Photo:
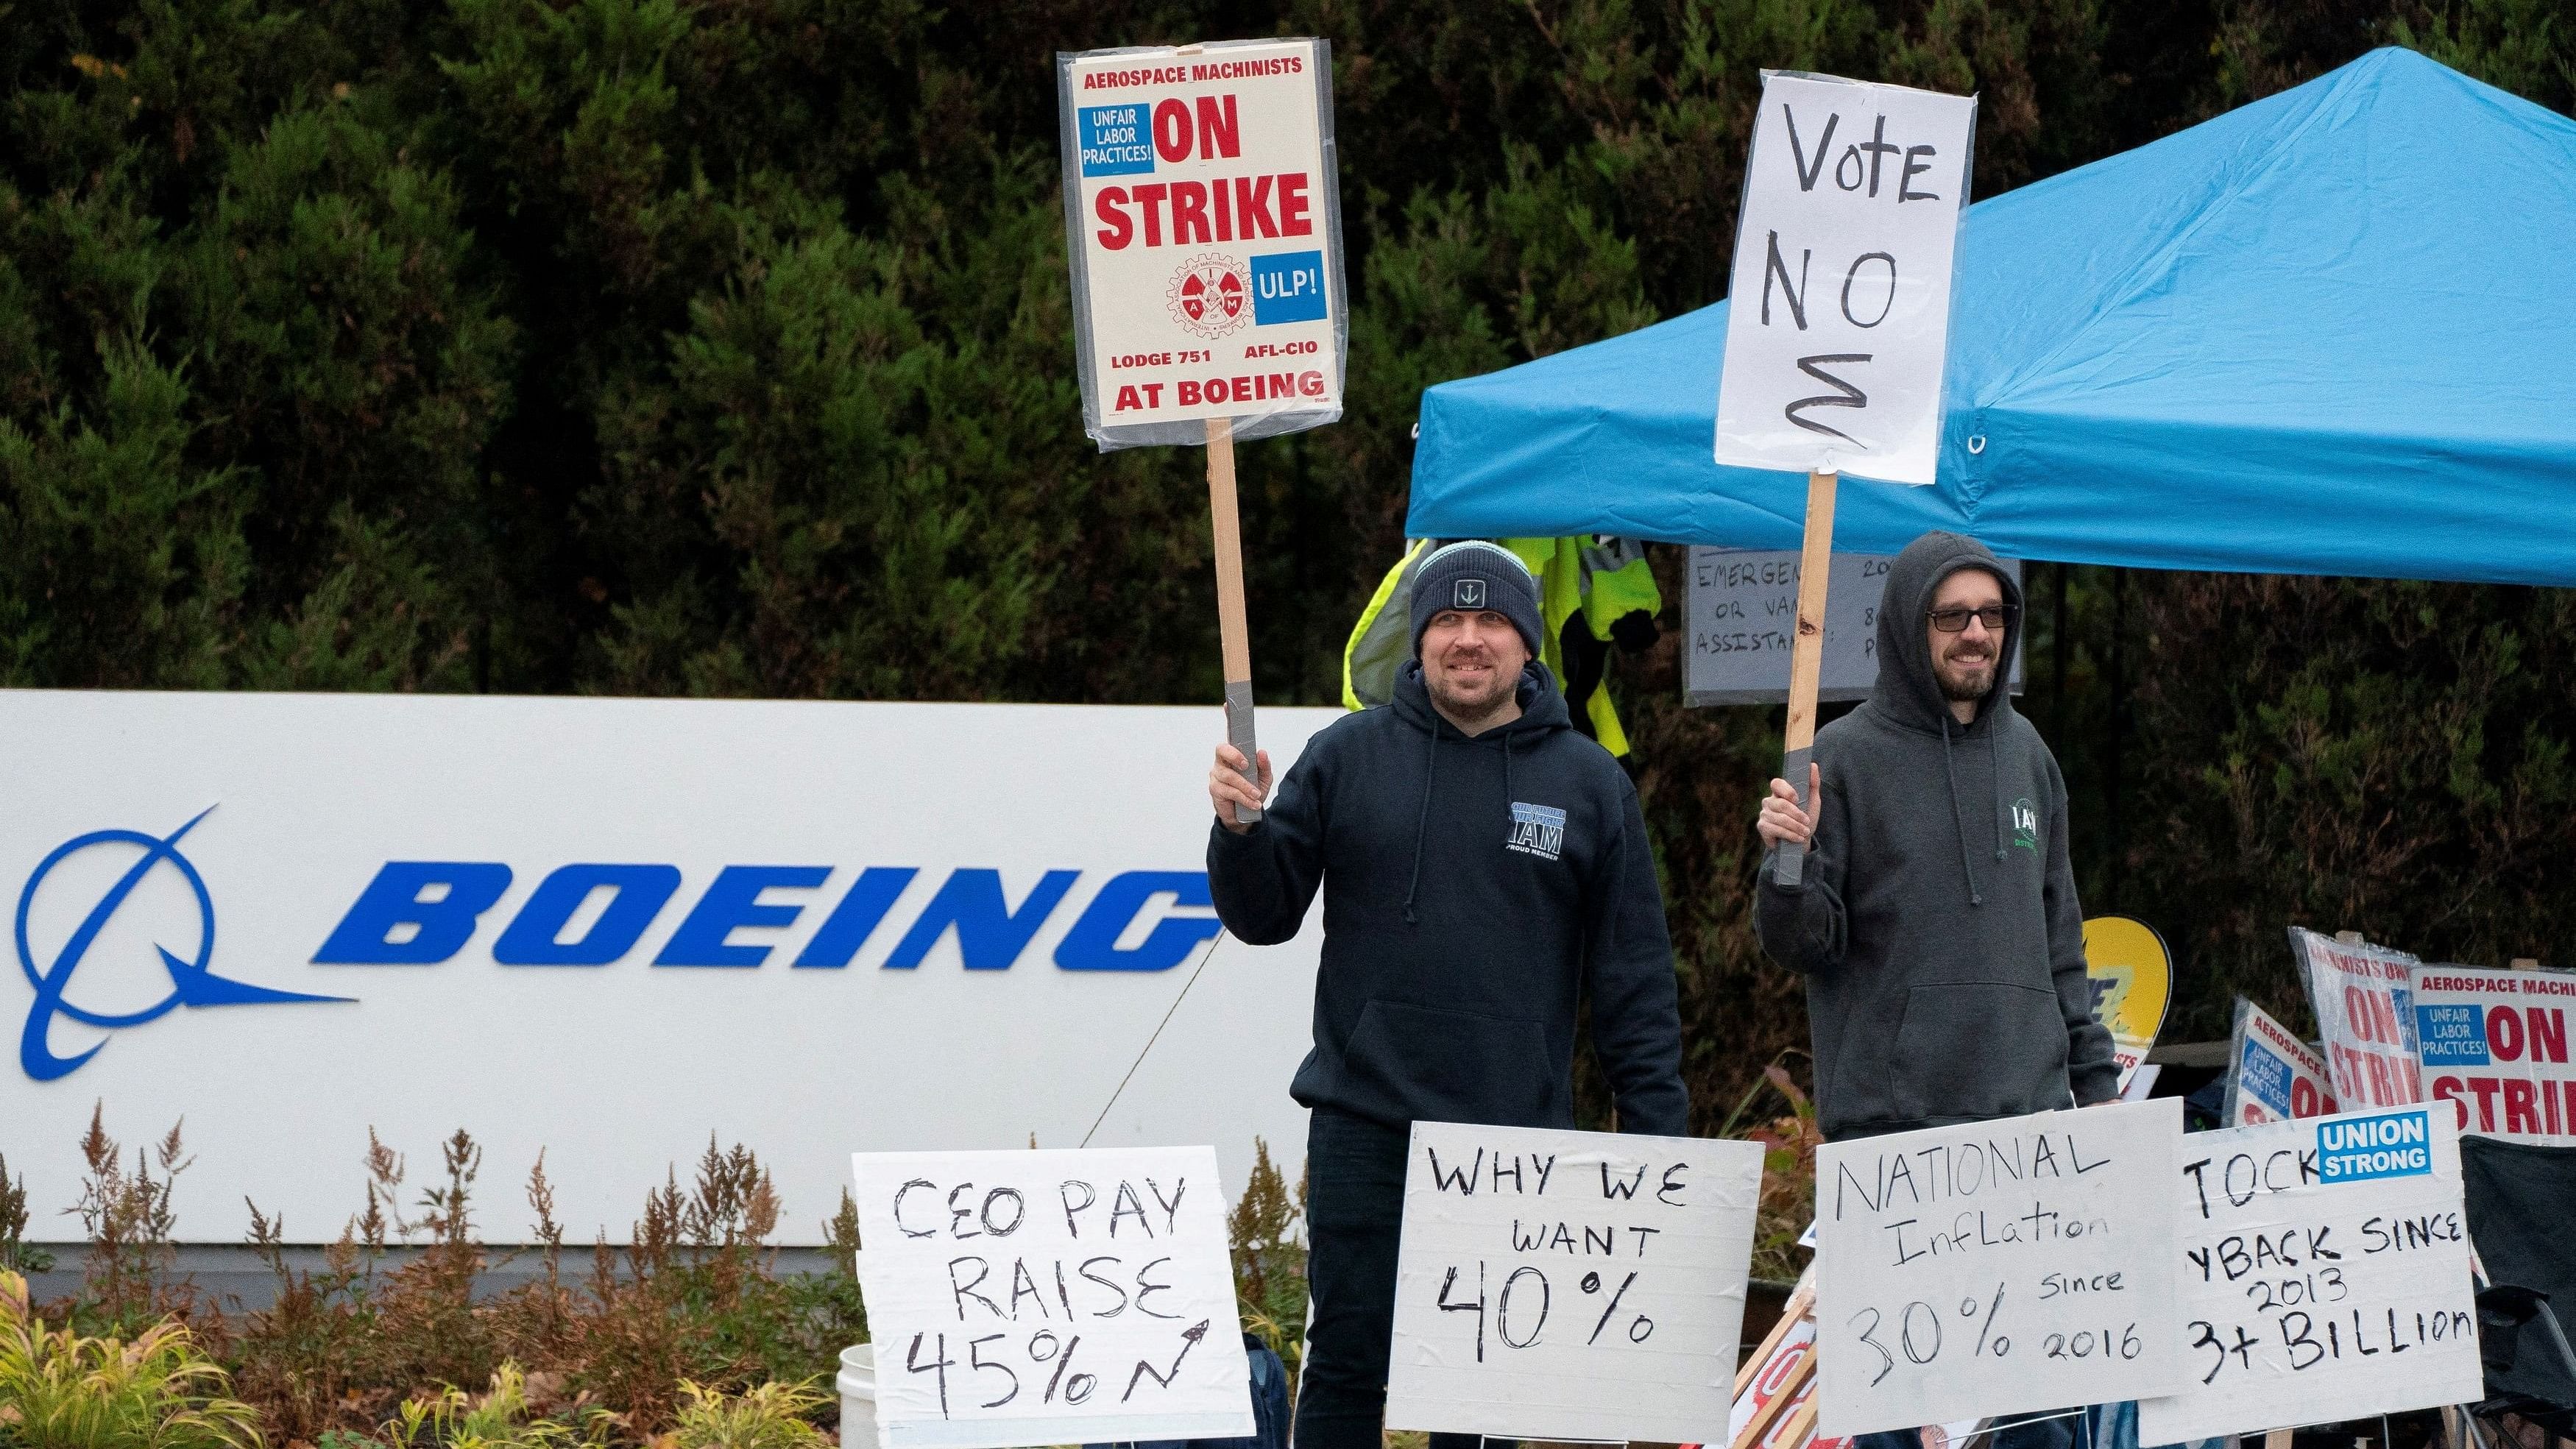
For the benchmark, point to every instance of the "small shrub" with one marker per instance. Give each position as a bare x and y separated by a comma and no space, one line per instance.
301,1358
60,1390
500,1419
1789,1143
428,1328
14,1252
1269,1261
127,1218
769,1416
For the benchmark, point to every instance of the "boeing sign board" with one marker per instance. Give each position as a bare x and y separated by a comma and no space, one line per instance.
605,929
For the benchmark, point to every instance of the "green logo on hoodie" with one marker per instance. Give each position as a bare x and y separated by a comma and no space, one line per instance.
2026,824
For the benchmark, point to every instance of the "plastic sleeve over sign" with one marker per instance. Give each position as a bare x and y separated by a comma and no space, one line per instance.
1204,237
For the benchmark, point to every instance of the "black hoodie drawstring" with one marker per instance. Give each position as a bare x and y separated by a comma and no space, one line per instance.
1422,824
1966,866
1507,775
1995,761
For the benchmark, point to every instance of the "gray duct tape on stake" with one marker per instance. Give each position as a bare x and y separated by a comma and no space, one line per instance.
1238,733
1790,869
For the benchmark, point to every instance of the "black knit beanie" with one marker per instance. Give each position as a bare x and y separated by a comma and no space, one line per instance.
1473,575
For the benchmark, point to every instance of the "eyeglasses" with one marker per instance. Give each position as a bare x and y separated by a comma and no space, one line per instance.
1993,616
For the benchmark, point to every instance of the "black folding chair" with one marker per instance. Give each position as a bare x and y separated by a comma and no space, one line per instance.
2521,1199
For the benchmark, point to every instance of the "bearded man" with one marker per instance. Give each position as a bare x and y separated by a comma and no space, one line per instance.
1484,867
1937,924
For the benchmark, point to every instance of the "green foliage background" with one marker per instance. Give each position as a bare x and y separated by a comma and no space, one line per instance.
720,347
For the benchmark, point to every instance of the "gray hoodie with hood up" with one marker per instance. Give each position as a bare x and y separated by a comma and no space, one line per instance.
1937,925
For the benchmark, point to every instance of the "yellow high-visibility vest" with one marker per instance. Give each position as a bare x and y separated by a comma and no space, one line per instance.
1604,579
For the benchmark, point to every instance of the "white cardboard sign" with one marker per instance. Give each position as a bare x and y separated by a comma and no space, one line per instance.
2323,1267
1050,1297
1840,314
1997,1267
1205,227
1570,1285
2364,997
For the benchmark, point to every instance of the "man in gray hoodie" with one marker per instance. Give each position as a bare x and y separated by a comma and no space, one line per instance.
1937,924
1936,993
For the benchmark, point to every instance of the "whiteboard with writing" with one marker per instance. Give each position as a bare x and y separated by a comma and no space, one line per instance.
2323,1267
1740,610
1050,1297
1840,318
1570,1285
1997,1267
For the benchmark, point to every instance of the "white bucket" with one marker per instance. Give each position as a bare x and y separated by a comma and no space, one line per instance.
858,1384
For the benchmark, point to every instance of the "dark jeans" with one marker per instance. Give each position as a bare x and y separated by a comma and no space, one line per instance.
1354,1215
2015,1432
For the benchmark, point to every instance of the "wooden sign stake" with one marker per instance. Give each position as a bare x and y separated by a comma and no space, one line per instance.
1801,1426
1807,659
1232,630
1802,1302
1757,1428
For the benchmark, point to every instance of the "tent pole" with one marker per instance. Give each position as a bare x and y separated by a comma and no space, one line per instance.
1807,659
2057,648
2119,721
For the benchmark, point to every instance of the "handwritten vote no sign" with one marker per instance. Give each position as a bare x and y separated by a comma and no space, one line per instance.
1840,302
1050,1297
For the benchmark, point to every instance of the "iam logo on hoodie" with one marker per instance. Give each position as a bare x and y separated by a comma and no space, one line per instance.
1537,830
2026,824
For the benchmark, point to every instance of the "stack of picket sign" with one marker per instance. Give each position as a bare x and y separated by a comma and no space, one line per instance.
2394,1031
1569,1285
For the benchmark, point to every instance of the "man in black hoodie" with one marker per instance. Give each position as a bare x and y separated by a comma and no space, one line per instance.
1937,924
1483,866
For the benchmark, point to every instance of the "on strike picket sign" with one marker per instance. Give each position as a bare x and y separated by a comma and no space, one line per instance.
2364,997
2324,1274
1050,1297
1841,294
1570,1285
2495,1043
1997,1267
1205,227
2272,1076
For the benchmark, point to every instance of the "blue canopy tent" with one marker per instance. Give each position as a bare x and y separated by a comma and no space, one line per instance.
2331,332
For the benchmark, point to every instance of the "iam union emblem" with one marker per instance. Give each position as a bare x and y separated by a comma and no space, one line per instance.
1211,295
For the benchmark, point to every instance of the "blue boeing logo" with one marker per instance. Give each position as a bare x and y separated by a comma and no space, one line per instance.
592,914
192,982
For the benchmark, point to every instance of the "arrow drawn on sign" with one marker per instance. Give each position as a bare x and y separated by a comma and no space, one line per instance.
1190,1338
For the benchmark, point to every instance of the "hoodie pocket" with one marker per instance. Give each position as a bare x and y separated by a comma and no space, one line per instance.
1971,1049
1431,1065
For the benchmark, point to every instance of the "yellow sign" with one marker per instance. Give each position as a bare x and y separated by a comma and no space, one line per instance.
2132,977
